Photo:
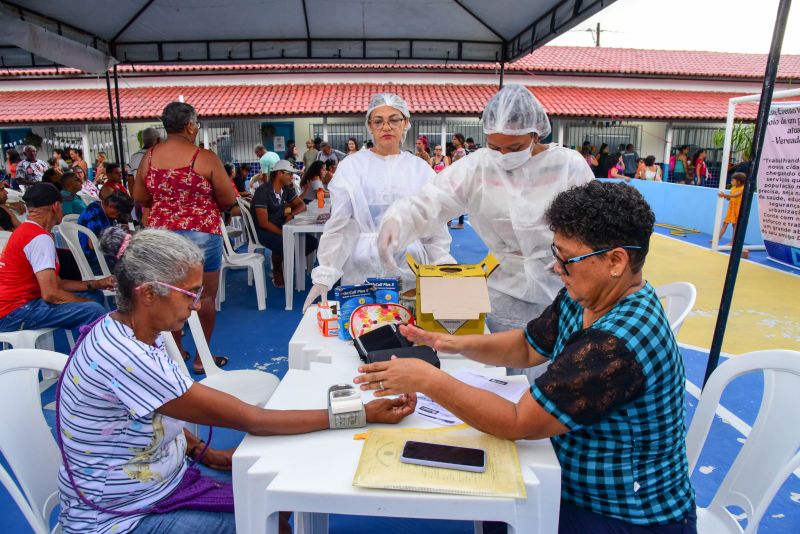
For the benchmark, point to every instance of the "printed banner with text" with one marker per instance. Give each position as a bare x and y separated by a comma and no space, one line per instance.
779,184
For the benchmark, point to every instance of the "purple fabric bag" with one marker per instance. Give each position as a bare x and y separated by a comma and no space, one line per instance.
194,492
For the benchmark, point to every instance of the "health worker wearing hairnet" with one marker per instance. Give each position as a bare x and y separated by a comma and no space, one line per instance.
505,189
366,184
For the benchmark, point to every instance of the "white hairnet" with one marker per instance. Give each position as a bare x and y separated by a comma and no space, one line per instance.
393,101
515,111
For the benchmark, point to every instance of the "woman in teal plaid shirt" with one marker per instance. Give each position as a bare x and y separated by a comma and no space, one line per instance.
612,399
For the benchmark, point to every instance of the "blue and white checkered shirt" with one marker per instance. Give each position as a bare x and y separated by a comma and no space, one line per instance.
619,388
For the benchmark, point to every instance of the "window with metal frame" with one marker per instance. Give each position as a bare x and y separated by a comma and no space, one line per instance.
613,133
340,132
702,137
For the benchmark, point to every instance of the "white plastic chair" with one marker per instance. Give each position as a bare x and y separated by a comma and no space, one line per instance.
70,217
87,198
234,260
39,338
26,441
70,232
30,339
249,385
678,300
253,245
236,232
57,238
770,454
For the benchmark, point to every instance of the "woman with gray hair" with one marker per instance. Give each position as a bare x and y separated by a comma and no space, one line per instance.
186,188
366,184
122,404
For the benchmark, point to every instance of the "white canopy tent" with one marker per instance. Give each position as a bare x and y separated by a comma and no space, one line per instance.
168,31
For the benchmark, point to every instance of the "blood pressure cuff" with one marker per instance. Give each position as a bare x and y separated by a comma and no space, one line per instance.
421,352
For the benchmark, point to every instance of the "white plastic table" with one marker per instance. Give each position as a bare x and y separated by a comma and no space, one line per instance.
311,475
308,345
294,253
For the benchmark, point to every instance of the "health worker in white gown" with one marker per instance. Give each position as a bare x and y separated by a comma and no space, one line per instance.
504,189
365,185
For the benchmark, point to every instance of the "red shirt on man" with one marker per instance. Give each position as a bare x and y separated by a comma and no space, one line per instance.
29,250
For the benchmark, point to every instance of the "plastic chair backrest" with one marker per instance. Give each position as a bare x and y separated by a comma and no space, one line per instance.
173,352
200,343
770,453
4,237
679,299
249,224
70,231
26,442
87,198
71,217
227,247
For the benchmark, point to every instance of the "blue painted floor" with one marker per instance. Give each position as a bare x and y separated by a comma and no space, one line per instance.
259,340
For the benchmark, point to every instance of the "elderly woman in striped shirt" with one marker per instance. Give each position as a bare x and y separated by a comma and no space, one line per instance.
122,404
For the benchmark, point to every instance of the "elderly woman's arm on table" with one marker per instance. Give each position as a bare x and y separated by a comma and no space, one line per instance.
206,406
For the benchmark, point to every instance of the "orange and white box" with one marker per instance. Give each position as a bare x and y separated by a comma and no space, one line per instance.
328,318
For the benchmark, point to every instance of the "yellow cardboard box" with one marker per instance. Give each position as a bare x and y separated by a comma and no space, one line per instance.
453,299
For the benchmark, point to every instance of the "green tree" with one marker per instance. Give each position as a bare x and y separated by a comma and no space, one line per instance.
741,138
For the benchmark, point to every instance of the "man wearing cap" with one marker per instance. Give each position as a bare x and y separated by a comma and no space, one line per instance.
32,295
273,205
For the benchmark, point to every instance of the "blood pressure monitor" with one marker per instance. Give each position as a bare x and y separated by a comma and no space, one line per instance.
345,408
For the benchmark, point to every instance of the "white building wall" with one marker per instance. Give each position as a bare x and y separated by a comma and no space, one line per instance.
654,135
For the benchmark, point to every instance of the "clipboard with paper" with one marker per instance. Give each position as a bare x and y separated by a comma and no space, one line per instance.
380,466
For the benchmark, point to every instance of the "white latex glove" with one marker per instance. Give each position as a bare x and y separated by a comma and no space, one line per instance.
388,239
317,290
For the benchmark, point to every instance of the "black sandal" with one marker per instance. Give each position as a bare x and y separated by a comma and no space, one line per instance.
221,361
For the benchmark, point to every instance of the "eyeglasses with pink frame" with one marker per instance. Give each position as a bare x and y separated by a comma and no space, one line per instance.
195,296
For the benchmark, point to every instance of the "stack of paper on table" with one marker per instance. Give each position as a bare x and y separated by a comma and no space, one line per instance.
510,390
380,465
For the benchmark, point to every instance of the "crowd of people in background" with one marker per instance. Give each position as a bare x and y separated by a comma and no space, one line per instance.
100,194
686,166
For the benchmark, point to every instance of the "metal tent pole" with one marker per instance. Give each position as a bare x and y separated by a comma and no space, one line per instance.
111,115
502,73
121,155
749,187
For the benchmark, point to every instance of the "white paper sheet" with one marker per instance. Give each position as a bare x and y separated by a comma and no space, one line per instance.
432,411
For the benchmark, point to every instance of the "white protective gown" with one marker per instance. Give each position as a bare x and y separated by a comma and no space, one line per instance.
506,209
363,188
